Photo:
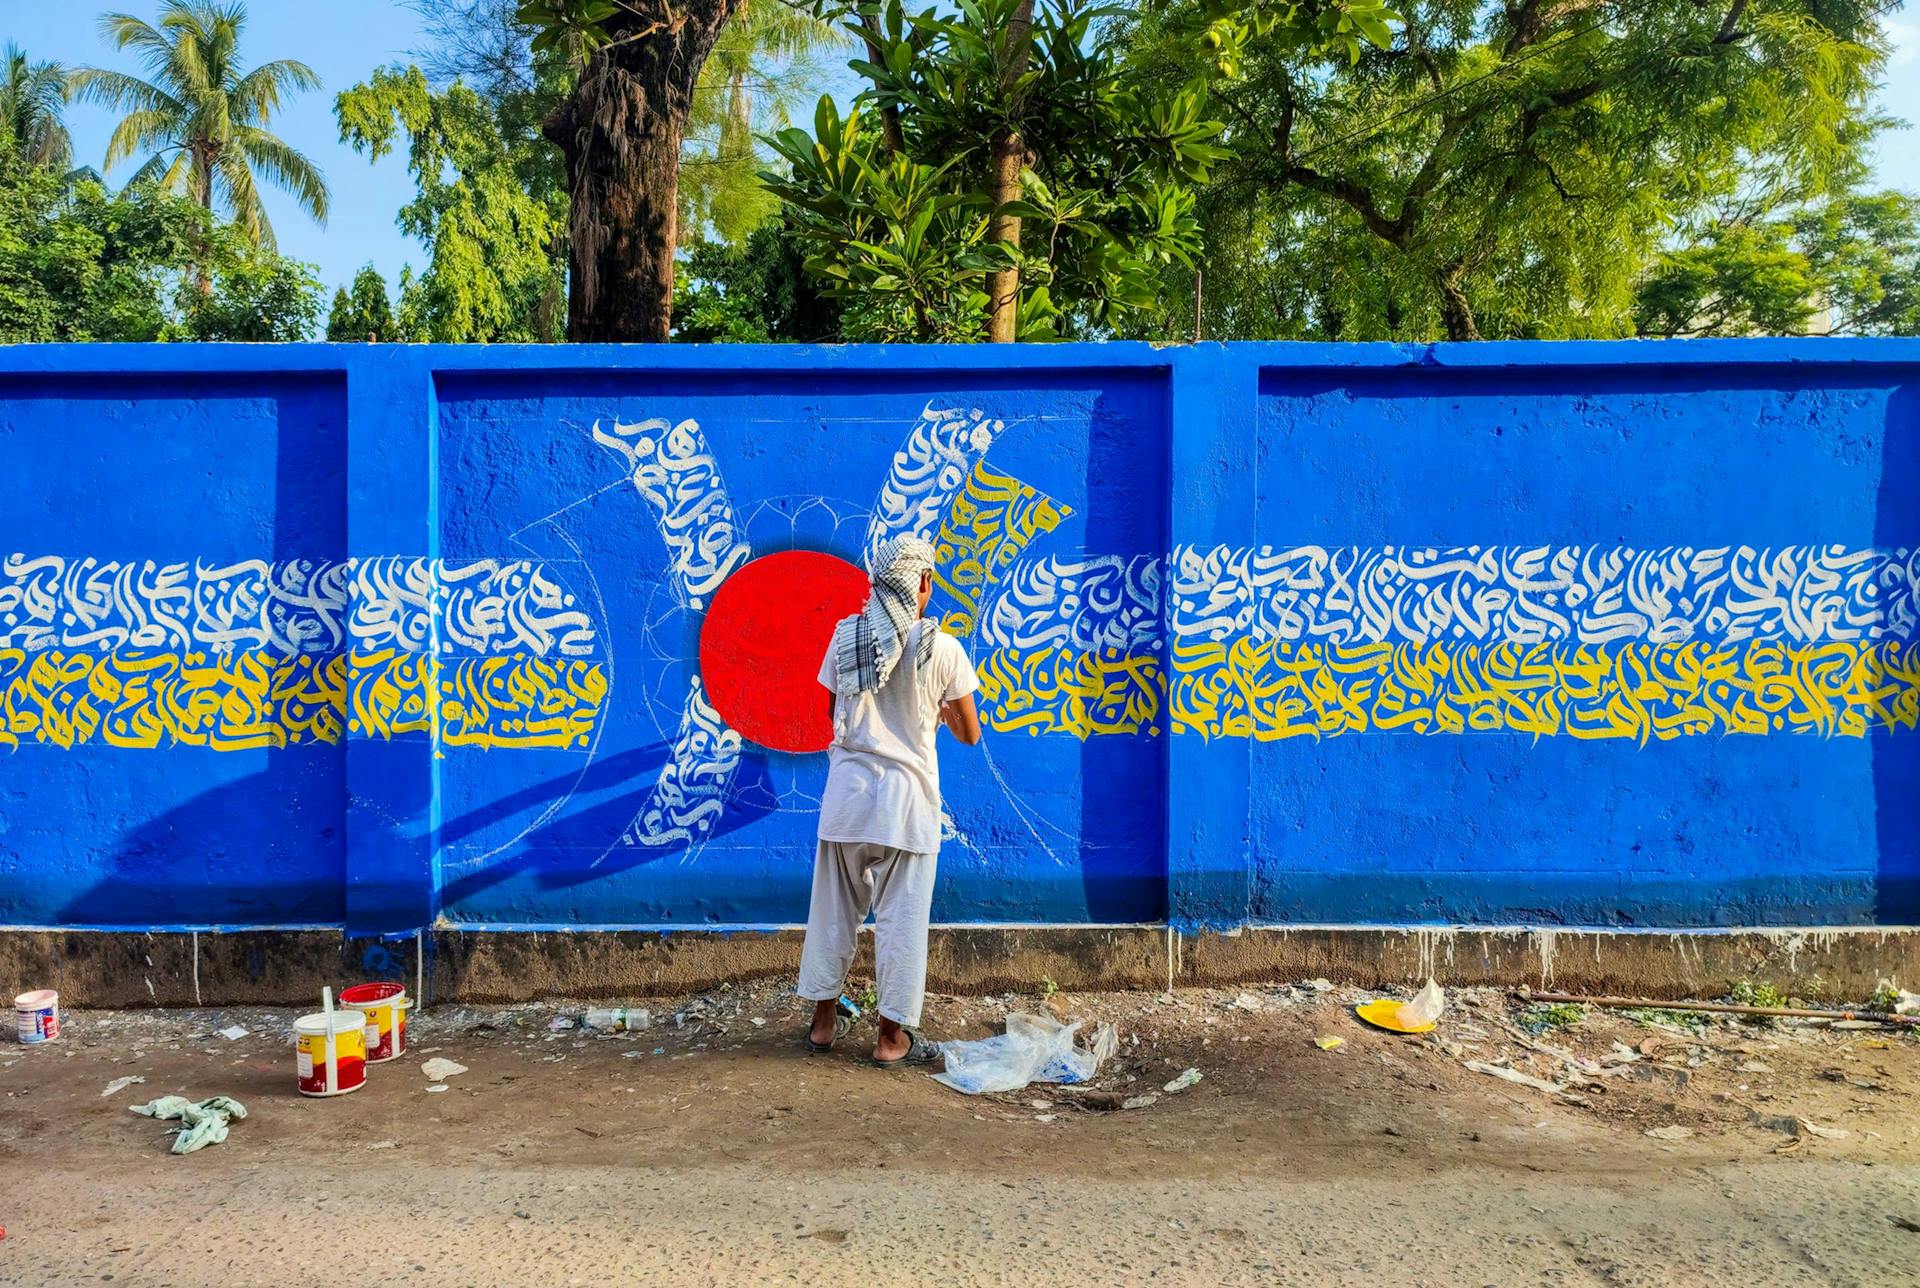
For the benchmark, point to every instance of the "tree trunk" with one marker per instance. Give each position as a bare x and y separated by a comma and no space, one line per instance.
890,114
201,177
1009,153
1003,285
620,132
1455,311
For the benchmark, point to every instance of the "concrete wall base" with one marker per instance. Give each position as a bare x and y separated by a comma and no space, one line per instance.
289,967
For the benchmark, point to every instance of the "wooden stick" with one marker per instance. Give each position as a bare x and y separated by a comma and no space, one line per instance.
1731,1008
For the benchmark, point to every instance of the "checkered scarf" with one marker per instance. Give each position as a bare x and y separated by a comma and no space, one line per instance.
867,646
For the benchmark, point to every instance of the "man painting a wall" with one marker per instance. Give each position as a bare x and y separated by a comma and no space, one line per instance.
892,678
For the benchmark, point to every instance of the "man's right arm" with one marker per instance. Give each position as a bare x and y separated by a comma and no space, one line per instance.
961,719
958,712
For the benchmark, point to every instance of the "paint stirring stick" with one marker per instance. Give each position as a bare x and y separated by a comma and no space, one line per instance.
333,1056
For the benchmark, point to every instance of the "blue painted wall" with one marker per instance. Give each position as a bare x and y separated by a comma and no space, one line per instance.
1580,634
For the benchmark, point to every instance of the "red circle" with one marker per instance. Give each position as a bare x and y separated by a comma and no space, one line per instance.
765,635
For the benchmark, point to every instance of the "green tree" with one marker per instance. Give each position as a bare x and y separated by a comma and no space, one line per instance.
1741,279
620,130
1506,170
366,313
202,119
764,60
918,215
33,100
484,45
758,293
760,68
80,263
1845,265
1865,251
488,206
257,296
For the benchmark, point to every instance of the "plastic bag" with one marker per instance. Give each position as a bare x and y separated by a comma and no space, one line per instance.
1033,1049
1425,1007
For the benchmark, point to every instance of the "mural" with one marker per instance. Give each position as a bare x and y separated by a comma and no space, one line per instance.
1592,643
1607,643
139,654
543,653
937,485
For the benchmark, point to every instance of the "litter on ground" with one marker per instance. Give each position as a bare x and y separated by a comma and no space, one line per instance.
1421,1015
440,1068
202,1122
1184,1081
1514,1076
120,1084
1034,1048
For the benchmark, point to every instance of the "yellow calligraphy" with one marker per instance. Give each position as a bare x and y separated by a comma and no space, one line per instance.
1641,693
1051,690
989,524
250,699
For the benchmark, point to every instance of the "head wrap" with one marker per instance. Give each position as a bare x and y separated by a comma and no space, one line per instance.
867,647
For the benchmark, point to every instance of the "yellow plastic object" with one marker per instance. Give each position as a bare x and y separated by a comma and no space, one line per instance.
1385,1014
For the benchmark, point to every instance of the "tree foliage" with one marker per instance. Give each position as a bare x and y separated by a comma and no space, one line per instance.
759,293
1844,265
33,100
1506,170
80,263
480,58
364,313
766,61
488,205
896,198
763,62
202,120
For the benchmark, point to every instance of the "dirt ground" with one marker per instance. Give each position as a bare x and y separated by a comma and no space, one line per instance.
711,1148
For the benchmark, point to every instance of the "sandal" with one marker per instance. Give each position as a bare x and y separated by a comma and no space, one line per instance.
845,1013
841,1023
919,1051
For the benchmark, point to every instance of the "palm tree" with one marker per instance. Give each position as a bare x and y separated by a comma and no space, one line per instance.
205,120
768,47
33,98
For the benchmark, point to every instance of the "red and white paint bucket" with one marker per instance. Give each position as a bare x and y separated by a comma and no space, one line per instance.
384,1008
331,1050
36,1016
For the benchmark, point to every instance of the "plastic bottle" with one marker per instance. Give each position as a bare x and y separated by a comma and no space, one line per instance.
618,1019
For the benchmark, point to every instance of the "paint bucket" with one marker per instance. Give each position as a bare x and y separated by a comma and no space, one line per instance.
36,1016
384,1008
332,1051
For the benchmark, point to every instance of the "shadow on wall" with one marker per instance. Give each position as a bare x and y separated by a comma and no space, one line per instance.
267,848
1896,756
1123,777
578,848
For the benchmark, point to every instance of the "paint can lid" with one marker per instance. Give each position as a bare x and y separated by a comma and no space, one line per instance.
343,1022
38,1000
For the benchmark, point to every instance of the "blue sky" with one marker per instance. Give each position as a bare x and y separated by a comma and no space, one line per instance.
343,40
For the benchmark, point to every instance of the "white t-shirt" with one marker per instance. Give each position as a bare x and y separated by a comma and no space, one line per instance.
883,778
